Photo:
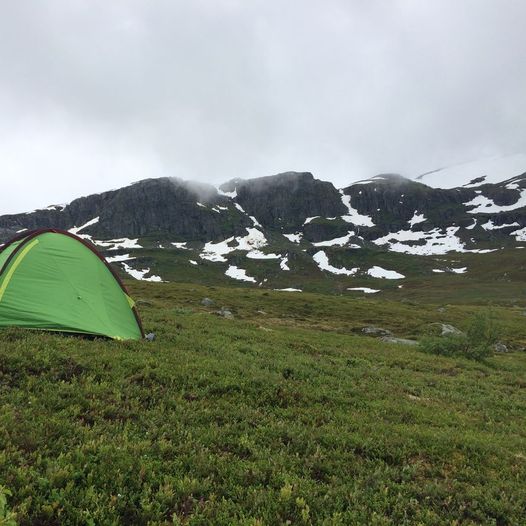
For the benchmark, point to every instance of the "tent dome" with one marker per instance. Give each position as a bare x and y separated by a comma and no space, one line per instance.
53,280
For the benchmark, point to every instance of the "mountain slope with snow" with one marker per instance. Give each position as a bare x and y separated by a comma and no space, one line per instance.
291,230
474,173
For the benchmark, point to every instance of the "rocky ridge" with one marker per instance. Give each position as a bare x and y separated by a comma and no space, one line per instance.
292,218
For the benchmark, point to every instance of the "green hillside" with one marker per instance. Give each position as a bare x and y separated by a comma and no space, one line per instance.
285,414
492,278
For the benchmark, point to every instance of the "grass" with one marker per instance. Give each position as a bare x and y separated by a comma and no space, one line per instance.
495,278
285,415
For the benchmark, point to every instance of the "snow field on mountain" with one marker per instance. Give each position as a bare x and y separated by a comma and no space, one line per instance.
492,170
485,205
253,241
435,242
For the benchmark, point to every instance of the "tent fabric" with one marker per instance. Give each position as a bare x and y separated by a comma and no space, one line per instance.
53,280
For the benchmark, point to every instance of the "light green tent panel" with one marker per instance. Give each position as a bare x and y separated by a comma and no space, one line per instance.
53,281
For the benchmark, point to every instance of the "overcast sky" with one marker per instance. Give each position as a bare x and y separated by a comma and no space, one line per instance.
97,94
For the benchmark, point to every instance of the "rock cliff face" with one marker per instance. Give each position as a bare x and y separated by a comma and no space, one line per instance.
287,199
289,203
391,201
153,207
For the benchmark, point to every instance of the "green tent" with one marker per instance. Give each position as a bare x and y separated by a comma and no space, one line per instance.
53,280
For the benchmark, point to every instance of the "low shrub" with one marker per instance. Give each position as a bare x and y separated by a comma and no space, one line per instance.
477,344
7,518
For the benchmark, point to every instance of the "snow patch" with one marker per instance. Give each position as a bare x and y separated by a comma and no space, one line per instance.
379,272
435,242
115,244
180,245
119,258
256,222
239,274
111,244
416,219
193,262
366,290
232,195
289,289
217,251
140,274
369,181
294,238
354,216
339,241
253,241
520,235
485,205
283,264
482,250
257,254
240,208
75,230
322,261
56,207
491,226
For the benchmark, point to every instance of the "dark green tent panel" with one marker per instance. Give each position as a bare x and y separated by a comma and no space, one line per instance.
53,280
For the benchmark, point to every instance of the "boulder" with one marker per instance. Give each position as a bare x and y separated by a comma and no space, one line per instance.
225,313
377,332
500,347
444,329
450,330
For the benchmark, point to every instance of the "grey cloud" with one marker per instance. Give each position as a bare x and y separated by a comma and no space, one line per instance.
94,95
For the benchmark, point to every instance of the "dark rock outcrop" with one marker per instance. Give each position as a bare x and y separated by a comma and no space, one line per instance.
164,207
174,210
287,199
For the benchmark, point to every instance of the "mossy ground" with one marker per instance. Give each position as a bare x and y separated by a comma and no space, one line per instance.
285,414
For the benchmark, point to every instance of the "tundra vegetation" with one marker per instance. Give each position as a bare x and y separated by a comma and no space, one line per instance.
284,412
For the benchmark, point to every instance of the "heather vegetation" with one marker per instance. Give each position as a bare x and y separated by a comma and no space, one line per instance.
284,412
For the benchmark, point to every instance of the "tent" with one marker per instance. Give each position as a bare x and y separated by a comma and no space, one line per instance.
53,280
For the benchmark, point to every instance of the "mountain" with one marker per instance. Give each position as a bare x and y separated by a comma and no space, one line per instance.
472,173
293,231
